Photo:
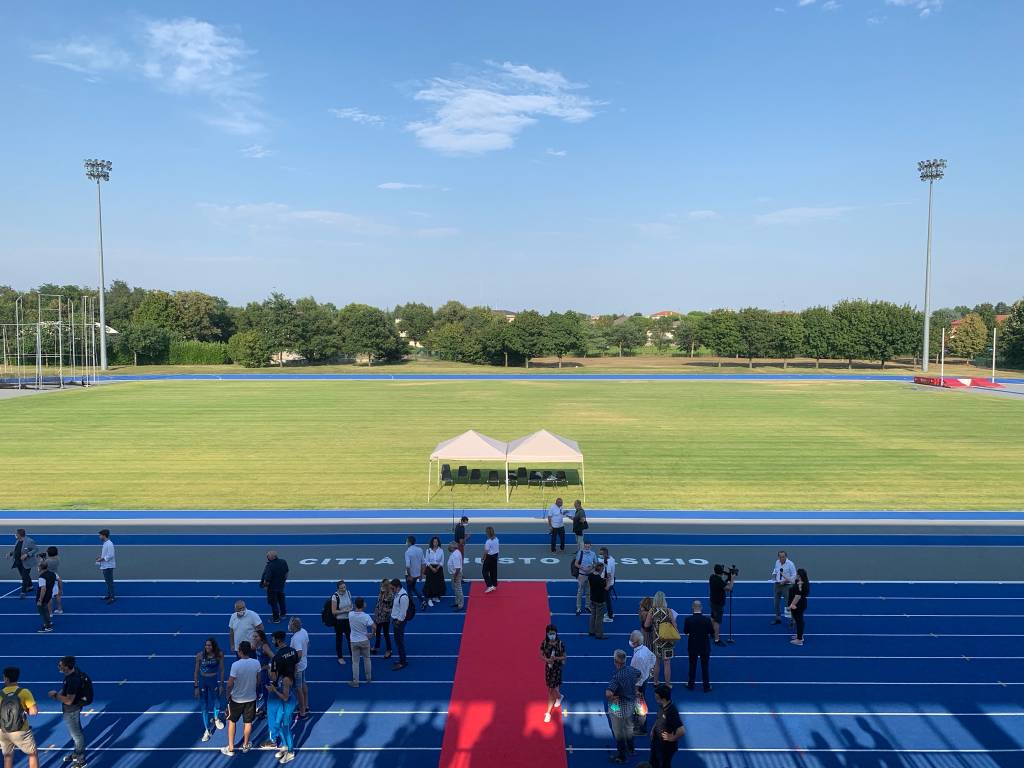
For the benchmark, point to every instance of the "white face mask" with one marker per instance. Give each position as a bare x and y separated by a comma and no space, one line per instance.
552,635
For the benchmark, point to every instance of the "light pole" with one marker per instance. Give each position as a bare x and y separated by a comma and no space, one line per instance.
99,170
931,171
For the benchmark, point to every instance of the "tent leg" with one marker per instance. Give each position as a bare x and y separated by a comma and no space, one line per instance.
428,480
583,482
506,482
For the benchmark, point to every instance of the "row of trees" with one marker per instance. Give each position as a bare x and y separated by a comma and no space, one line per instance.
203,328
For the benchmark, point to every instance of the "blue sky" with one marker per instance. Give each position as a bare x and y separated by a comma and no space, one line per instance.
599,156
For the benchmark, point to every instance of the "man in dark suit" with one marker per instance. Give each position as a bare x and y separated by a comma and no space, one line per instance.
275,575
698,630
23,557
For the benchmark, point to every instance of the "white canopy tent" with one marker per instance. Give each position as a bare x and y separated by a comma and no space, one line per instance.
544,447
469,446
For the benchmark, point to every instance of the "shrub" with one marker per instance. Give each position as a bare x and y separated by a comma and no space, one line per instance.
198,353
250,349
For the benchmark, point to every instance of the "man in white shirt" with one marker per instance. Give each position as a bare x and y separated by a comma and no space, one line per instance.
414,568
242,683
107,564
609,582
241,624
783,576
455,562
643,661
399,611
556,523
361,627
300,642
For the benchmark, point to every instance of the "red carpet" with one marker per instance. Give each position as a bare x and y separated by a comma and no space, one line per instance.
496,715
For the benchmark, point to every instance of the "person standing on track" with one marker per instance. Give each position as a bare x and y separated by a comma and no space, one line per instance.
720,585
241,624
208,677
413,569
17,704
433,569
72,698
242,682
668,729
399,613
23,558
44,594
621,696
490,564
300,642
382,617
552,650
597,601
275,575
460,534
263,654
341,607
52,558
279,718
664,648
609,582
106,562
579,522
783,576
585,561
699,630
455,564
556,525
798,594
362,628
643,662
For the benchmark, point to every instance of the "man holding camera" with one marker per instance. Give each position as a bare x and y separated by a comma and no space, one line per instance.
783,576
720,584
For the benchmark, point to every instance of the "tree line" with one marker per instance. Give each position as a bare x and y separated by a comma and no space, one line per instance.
191,327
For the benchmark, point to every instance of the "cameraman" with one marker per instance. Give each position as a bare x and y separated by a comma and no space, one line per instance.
720,584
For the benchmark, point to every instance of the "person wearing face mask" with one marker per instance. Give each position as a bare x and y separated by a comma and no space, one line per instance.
341,607
552,651
241,624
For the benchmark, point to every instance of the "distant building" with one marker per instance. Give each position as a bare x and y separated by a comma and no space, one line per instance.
405,335
508,314
663,313
1000,319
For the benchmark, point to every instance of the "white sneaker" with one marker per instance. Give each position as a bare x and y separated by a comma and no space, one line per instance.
281,753
58,612
218,724
227,751
558,702
287,757
489,589
547,717
206,735
608,620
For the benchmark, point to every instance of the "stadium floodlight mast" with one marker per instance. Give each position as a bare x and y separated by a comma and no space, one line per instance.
931,171
99,170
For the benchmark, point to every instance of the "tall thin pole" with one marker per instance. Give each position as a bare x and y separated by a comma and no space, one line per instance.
994,332
927,282
942,357
103,312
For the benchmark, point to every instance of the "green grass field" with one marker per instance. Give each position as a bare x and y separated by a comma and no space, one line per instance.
694,445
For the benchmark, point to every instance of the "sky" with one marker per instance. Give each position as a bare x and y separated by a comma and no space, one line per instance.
600,156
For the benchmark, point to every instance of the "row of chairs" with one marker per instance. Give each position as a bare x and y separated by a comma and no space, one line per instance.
514,479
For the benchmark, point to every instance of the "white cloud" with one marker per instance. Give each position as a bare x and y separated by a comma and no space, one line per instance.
257,152
802,215
924,8
86,57
657,228
802,3
189,56
874,20
356,115
831,5
399,185
434,232
703,215
487,112
556,152
279,214
779,10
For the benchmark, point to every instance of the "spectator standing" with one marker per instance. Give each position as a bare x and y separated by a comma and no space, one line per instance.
699,630
52,557
783,576
552,651
281,700
668,729
621,697
44,594
433,569
585,561
413,569
72,698
556,525
242,682
208,677
798,594
240,626
643,612
382,617
643,662
609,582
720,584
23,557
362,628
341,607
660,614
597,600
460,534
300,642
275,575
455,566
263,654
399,614
17,704
579,522
490,564
107,563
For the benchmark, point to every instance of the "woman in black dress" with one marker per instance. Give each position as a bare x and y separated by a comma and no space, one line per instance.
552,650
798,603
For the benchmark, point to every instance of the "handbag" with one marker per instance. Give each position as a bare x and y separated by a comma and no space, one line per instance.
574,566
668,632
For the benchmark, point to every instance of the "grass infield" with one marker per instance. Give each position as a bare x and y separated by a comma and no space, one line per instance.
693,445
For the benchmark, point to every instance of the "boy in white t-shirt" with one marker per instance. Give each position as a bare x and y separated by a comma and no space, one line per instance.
300,642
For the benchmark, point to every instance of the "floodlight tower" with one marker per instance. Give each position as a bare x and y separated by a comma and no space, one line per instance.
99,170
931,171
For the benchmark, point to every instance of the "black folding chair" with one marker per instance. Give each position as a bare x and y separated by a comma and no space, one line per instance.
536,478
512,480
475,476
463,474
492,478
521,475
446,477
561,479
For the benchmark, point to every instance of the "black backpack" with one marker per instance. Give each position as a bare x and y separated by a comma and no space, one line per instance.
12,715
327,614
84,697
410,612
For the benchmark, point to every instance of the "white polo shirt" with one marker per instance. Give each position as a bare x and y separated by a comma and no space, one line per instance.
300,642
414,561
455,562
556,517
434,557
609,570
107,555
243,626
491,546
643,661
361,625
785,572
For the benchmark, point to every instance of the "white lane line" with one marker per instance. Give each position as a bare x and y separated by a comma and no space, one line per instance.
310,616
8,594
718,657
207,634
192,712
302,749
789,683
702,581
577,713
826,750
317,682
768,596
